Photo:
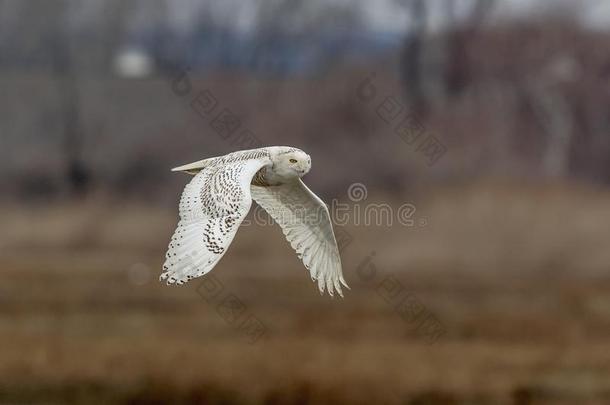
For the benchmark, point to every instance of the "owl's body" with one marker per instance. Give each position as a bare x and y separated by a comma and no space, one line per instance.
216,201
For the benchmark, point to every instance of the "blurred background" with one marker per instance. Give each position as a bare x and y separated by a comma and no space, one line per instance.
488,119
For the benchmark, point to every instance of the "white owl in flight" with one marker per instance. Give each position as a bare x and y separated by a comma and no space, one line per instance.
217,200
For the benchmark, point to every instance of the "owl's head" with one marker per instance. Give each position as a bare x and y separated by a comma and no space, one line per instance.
290,162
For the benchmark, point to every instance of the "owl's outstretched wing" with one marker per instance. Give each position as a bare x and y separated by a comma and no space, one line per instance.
212,207
305,221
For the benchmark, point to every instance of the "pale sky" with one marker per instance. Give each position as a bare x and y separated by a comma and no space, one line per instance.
380,15
388,15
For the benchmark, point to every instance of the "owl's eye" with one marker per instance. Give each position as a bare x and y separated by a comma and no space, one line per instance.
293,161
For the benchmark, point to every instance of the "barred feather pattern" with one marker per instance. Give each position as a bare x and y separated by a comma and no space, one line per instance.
218,198
212,207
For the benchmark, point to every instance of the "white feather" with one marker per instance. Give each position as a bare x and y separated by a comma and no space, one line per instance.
212,207
215,202
306,223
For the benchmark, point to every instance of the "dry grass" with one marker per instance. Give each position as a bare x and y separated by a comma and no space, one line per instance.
515,274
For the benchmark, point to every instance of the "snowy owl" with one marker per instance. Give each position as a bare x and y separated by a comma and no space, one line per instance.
217,199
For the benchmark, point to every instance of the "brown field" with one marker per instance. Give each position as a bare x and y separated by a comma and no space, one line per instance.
517,277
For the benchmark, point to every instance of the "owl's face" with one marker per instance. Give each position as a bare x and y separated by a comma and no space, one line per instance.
292,164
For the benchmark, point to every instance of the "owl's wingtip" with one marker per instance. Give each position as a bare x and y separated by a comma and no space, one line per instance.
192,168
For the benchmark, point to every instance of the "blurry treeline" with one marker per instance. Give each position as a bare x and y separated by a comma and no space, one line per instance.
89,100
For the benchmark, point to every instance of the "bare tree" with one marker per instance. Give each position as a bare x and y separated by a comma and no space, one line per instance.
54,29
554,114
413,62
458,72
77,173
436,66
301,21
